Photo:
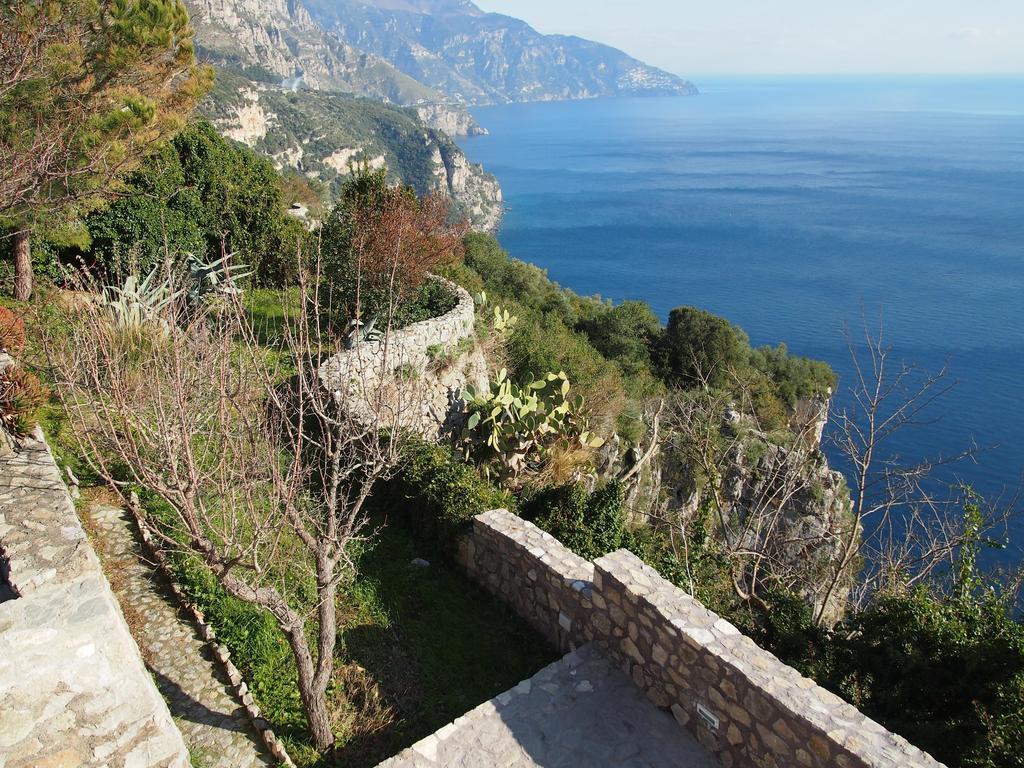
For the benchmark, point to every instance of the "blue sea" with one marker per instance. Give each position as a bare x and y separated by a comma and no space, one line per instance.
793,207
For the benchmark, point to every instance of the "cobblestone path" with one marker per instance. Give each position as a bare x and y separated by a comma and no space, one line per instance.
215,726
579,711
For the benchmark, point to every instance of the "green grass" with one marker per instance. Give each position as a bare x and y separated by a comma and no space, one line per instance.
435,643
269,312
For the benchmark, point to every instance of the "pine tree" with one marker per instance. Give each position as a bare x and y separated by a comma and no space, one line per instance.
87,89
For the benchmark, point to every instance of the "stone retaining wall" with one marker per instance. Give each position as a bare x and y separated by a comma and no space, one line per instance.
73,687
741,702
425,367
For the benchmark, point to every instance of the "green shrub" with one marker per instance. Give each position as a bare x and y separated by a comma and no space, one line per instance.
509,278
590,524
627,334
699,347
794,377
947,674
437,494
758,396
198,191
432,299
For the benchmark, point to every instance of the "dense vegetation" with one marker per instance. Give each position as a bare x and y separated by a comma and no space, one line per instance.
199,194
619,355
357,244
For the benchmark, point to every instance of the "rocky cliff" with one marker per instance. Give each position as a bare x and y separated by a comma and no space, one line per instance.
276,41
480,58
453,120
321,134
770,494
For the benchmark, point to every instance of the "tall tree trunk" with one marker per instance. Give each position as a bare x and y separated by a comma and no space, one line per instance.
313,676
22,265
312,691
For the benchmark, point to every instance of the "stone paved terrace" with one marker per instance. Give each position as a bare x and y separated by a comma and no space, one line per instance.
215,725
73,688
580,711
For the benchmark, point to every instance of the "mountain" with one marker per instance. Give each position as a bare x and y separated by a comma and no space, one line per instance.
481,58
315,104
277,41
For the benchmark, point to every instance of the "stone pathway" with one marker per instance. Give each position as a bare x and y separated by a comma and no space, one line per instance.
579,711
214,725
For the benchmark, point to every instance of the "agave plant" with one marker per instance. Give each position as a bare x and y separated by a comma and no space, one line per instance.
137,304
214,277
356,332
513,428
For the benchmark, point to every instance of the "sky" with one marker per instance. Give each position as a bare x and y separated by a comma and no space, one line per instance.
794,36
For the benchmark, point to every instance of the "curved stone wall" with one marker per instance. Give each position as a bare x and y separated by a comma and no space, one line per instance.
427,365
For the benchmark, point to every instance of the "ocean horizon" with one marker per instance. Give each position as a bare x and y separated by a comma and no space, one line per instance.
795,206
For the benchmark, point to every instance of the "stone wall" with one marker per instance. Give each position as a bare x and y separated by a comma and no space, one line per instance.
742,703
544,582
73,687
425,368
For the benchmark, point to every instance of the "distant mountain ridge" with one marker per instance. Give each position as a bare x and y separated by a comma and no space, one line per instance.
474,57
278,41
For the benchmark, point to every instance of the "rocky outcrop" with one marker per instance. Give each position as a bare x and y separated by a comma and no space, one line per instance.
776,497
476,192
453,120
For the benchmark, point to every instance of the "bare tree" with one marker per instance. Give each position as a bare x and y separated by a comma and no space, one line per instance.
262,468
909,523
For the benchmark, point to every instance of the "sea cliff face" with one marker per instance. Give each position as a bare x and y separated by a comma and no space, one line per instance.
453,120
474,190
779,498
